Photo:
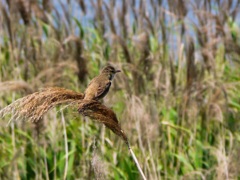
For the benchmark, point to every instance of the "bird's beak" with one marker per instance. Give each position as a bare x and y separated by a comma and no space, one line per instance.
117,71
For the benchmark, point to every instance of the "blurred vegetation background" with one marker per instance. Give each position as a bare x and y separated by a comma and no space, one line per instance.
177,97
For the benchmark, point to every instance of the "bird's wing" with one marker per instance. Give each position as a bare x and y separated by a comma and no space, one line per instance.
103,90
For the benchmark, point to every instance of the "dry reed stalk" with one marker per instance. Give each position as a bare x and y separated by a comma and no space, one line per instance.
110,17
173,76
121,16
7,18
99,15
141,11
135,14
136,162
179,8
163,28
67,16
154,8
191,68
24,10
149,23
66,145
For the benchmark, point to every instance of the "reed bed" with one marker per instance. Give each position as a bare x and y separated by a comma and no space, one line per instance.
177,98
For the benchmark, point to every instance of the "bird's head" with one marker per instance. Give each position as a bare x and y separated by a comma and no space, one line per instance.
110,71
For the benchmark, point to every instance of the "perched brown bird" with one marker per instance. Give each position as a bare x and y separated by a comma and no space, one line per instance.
100,85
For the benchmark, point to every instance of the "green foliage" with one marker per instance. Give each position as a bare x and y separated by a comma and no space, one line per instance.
81,30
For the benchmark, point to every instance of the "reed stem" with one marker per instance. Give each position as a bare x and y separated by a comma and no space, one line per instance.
136,162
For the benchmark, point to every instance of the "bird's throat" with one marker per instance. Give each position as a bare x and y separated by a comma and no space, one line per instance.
111,76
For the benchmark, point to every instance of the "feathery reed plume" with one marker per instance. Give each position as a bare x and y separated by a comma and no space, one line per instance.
97,111
124,48
81,61
15,86
35,105
191,68
38,11
100,15
82,6
47,5
179,8
143,43
24,9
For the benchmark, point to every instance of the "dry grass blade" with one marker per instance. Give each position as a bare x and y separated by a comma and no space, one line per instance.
35,105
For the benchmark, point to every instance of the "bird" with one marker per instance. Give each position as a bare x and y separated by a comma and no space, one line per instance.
100,85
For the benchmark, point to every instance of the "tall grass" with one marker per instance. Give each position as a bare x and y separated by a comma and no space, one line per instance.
177,98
